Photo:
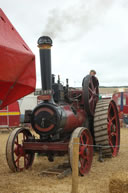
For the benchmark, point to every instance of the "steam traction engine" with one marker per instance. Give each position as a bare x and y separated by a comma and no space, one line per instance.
63,114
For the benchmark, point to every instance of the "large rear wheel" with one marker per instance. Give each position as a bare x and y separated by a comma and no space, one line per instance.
107,127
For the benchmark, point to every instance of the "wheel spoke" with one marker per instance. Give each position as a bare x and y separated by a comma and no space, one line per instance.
113,134
91,100
86,138
87,141
17,160
112,146
92,105
81,163
111,119
95,90
81,140
90,91
92,84
83,152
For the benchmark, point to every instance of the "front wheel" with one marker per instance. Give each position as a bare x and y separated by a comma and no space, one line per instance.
85,149
16,157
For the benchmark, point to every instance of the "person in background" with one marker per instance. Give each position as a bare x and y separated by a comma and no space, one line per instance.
92,72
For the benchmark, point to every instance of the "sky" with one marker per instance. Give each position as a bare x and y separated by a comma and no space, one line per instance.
86,34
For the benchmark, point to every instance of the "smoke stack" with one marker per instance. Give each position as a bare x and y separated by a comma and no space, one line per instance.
44,44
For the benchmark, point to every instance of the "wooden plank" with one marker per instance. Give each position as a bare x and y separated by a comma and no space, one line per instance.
75,162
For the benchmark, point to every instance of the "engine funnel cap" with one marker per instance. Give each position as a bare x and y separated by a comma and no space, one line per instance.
44,40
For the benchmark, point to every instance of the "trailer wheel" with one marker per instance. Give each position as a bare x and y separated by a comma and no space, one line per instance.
85,149
90,93
16,157
107,127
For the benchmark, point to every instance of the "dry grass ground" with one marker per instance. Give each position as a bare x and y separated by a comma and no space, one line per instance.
97,181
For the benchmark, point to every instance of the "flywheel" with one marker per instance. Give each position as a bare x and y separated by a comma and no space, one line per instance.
90,93
107,127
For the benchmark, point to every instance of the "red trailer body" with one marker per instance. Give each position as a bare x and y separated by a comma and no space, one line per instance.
17,64
121,99
10,116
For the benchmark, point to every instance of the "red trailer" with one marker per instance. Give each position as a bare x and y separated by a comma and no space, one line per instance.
17,64
121,99
10,116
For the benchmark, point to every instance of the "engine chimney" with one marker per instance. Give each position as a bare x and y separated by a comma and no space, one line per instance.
44,44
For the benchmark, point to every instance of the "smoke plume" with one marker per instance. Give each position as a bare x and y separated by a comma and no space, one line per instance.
76,20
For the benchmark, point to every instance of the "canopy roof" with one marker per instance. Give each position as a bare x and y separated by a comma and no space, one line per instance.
17,64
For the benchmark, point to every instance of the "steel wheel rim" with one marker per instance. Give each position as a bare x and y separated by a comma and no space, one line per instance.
113,128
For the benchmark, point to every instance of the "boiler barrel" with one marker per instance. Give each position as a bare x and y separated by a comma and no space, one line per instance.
49,119
74,118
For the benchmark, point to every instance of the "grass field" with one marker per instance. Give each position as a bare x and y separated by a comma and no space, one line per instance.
30,181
